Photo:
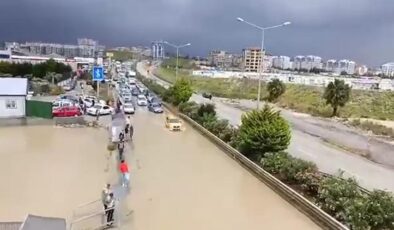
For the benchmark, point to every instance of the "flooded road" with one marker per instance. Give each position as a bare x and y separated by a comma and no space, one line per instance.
178,180
183,181
49,171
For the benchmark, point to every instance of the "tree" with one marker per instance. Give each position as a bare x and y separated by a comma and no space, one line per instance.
337,94
275,89
263,131
180,92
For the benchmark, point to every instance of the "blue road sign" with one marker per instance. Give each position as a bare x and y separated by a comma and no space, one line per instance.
98,73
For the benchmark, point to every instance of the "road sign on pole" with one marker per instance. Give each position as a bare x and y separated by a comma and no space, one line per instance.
98,73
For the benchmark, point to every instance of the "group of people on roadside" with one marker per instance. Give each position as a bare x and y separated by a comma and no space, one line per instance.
108,198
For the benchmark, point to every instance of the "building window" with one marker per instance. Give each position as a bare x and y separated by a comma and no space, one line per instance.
10,104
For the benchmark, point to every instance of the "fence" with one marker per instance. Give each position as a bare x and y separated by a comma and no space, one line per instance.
38,109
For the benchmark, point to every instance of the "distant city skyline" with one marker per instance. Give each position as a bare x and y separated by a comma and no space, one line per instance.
361,30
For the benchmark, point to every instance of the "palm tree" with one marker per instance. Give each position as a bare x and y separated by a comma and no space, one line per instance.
336,94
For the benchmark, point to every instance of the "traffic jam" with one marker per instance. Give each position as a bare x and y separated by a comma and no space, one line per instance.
131,93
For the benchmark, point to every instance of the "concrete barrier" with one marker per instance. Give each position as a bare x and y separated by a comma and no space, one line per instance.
80,120
317,215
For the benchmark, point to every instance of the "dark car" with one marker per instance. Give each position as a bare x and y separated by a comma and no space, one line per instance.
135,92
207,95
155,107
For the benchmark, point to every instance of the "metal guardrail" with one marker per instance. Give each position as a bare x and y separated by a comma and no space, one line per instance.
320,217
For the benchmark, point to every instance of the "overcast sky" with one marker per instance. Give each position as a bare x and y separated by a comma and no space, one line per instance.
362,30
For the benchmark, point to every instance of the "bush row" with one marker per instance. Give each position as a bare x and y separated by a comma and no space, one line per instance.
263,137
342,198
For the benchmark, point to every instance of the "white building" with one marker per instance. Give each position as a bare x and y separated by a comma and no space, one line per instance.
298,62
345,66
13,92
313,62
331,65
388,69
307,62
282,62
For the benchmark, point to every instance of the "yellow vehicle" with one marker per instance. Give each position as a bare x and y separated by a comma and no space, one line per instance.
173,123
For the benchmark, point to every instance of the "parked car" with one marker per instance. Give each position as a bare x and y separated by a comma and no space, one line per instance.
68,111
63,103
173,123
141,100
89,102
102,109
128,108
155,107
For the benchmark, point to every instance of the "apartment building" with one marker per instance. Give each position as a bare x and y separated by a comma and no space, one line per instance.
220,58
158,50
345,65
281,62
251,59
388,69
307,62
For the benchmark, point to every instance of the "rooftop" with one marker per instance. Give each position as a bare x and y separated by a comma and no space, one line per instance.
13,86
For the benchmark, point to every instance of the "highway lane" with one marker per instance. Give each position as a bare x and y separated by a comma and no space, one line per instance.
328,158
180,180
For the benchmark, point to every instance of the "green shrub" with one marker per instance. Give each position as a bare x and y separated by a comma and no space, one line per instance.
275,162
336,194
206,108
374,211
296,167
208,121
310,182
263,131
180,92
275,89
287,167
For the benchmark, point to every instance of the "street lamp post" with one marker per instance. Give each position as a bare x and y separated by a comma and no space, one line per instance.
177,47
262,29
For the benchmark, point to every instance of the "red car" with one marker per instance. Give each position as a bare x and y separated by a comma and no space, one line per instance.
71,111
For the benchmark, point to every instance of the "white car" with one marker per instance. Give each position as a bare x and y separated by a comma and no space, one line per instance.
128,108
126,96
88,102
141,100
102,110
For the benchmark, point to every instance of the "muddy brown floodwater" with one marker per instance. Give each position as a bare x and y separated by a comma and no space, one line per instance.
49,171
178,180
182,181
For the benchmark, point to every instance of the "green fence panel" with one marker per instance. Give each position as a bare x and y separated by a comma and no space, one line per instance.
41,109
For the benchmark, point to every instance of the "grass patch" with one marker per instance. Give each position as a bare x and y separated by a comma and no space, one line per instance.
300,98
375,128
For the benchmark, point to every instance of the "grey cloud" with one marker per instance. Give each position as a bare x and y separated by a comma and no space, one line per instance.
355,29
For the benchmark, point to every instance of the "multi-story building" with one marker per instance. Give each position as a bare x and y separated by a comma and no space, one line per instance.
251,59
299,62
158,50
313,62
221,59
307,62
87,42
330,65
281,62
345,66
388,69
86,48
